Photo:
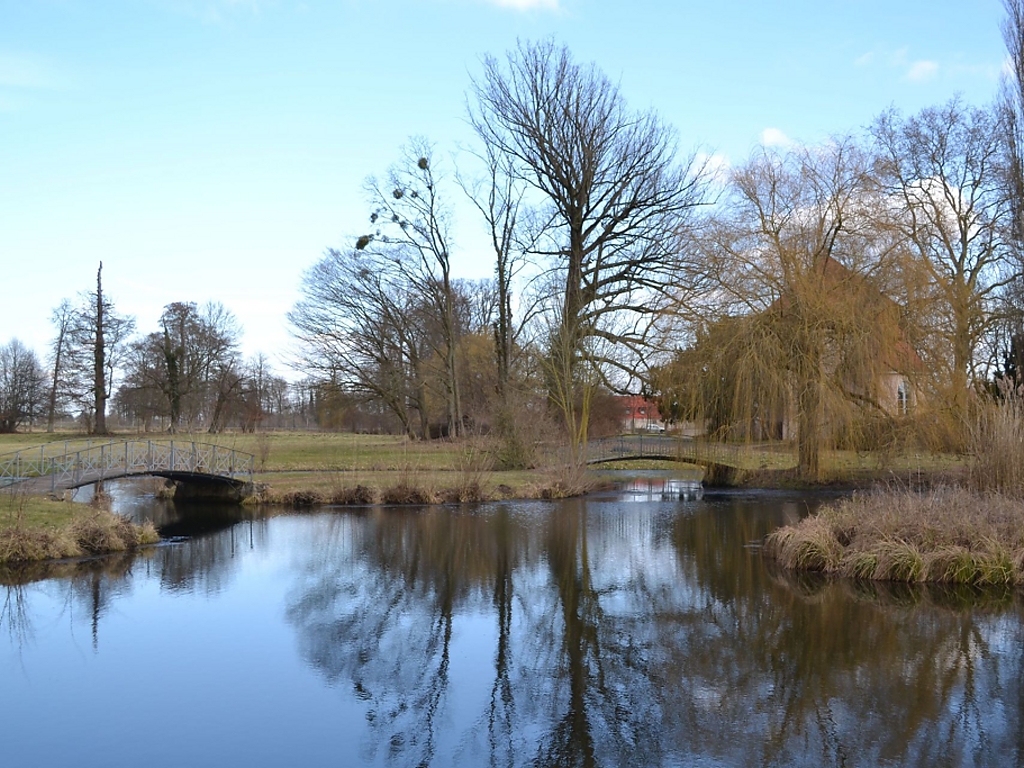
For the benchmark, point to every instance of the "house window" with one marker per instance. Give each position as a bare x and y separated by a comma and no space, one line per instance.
902,398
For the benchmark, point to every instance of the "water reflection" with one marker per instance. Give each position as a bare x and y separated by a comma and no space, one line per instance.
663,489
653,639
594,632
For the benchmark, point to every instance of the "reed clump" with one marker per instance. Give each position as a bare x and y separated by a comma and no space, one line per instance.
355,495
997,447
101,532
94,531
24,545
404,493
947,535
966,534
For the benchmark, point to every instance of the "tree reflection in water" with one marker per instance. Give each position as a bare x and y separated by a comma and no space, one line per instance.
643,635
591,633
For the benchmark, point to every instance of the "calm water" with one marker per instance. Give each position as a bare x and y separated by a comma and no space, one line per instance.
634,629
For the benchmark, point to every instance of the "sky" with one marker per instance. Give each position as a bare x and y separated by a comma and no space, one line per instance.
211,150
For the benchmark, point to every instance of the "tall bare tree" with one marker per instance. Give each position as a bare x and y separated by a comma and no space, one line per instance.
1011,103
98,337
63,318
413,232
513,233
1011,112
610,182
943,172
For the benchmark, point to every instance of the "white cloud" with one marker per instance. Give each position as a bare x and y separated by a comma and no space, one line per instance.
898,57
773,137
923,70
914,71
717,166
527,5
865,59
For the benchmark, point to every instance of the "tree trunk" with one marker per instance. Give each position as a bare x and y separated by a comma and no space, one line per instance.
809,417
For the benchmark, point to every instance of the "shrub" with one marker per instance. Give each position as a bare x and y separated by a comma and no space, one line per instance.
403,493
359,494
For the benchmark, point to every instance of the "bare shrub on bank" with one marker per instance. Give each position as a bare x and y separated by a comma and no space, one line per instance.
102,531
997,448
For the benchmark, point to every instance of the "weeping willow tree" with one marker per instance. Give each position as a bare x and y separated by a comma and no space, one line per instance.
797,340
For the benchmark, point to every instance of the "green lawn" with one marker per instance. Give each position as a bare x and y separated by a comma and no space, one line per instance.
337,452
35,511
281,451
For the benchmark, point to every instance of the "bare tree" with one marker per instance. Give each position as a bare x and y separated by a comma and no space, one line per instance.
191,365
610,183
1011,104
1011,113
62,317
359,325
97,339
22,386
513,233
413,232
943,171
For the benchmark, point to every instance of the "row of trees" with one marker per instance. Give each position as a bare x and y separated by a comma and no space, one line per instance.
834,269
89,335
188,375
811,285
584,202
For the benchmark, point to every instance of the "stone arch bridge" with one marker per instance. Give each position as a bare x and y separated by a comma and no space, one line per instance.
202,468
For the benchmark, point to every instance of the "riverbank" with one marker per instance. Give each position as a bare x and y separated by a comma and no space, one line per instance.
313,469
35,528
312,488
945,534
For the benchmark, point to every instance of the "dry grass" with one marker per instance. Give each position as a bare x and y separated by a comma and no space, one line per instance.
101,532
91,531
997,448
948,535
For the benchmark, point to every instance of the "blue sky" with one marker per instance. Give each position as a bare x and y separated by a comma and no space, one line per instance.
212,149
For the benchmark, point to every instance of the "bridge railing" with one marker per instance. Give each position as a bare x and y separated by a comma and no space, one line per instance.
123,457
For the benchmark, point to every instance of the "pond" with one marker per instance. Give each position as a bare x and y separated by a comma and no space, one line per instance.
636,628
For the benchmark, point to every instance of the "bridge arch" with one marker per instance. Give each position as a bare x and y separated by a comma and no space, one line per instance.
56,467
718,462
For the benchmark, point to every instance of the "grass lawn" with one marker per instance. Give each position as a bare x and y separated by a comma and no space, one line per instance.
278,452
284,451
36,511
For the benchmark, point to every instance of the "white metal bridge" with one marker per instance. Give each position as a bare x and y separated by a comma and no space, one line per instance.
62,465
